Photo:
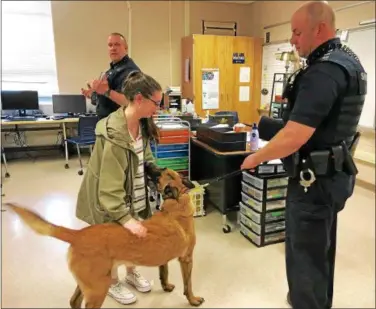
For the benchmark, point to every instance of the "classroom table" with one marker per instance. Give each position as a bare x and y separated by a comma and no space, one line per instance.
37,124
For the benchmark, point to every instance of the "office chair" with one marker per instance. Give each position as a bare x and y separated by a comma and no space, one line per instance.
86,135
231,113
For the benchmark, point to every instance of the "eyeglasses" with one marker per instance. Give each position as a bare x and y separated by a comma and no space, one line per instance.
158,104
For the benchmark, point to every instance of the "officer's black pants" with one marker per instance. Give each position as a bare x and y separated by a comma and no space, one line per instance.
311,227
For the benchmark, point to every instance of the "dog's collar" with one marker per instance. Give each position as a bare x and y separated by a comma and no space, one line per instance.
185,190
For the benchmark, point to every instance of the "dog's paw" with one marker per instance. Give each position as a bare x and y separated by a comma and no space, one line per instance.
196,301
168,287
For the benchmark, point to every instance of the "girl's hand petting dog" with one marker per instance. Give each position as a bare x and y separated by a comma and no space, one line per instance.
136,227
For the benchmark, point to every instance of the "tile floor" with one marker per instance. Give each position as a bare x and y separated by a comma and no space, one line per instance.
229,272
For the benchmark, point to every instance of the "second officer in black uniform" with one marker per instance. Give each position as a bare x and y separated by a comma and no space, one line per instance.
315,141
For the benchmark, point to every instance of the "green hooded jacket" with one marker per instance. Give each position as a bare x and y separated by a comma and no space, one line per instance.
106,191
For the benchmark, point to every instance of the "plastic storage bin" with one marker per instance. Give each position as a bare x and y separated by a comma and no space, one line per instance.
257,205
174,147
258,194
273,167
261,182
262,241
171,154
257,217
197,198
262,206
259,229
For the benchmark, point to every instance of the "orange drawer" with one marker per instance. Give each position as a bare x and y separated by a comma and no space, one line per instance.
168,133
173,139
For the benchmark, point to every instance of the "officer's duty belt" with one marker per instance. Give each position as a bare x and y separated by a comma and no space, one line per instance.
328,162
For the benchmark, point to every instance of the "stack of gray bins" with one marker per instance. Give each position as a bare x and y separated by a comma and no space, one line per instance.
262,205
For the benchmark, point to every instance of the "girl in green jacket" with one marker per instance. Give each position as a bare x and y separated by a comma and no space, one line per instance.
114,186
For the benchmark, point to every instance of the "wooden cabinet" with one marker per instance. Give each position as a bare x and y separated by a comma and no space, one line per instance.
216,52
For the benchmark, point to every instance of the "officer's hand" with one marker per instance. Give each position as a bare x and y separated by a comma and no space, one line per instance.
100,85
249,163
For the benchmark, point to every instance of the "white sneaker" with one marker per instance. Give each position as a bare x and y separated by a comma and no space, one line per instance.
121,294
139,282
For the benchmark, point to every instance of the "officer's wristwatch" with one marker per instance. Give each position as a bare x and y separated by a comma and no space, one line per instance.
107,93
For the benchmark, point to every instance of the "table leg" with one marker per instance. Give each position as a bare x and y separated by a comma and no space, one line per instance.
226,228
65,145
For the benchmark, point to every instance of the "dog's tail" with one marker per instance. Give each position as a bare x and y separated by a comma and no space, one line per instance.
41,226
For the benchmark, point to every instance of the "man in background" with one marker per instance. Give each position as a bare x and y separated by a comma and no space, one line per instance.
105,92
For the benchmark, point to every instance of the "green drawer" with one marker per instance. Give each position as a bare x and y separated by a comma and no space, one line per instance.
169,162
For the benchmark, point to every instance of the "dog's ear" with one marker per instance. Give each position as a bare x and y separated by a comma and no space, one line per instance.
186,182
170,192
152,170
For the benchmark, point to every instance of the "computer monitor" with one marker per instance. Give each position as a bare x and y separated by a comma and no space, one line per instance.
69,104
19,100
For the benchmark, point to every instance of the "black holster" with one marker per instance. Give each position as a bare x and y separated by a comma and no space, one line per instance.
349,166
291,164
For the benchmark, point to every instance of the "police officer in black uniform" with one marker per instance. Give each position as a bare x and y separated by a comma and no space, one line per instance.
105,92
315,141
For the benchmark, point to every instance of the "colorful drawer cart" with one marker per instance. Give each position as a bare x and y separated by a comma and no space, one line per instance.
173,151
262,206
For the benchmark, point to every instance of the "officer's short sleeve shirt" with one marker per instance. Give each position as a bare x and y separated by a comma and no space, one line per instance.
115,78
117,82
318,90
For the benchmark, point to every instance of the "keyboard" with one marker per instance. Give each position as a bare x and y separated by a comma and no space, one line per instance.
22,119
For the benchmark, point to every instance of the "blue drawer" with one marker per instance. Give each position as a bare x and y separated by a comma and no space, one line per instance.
171,154
170,147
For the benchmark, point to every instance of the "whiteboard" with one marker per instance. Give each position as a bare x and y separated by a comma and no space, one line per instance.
362,42
270,66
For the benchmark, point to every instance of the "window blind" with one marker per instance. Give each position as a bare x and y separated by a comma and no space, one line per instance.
28,48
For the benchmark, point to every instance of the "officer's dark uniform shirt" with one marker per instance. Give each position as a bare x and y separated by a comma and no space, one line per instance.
115,76
319,88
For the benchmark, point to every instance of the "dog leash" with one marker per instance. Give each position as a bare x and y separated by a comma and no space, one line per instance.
229,175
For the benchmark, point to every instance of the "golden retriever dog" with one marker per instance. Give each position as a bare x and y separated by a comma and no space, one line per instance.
95,250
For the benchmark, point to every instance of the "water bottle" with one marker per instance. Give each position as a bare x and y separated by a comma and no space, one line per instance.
254,142
183,106
190,108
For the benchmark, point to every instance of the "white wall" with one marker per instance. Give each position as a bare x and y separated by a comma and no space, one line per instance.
362,42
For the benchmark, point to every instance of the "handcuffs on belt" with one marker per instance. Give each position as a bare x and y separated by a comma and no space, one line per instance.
306,182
